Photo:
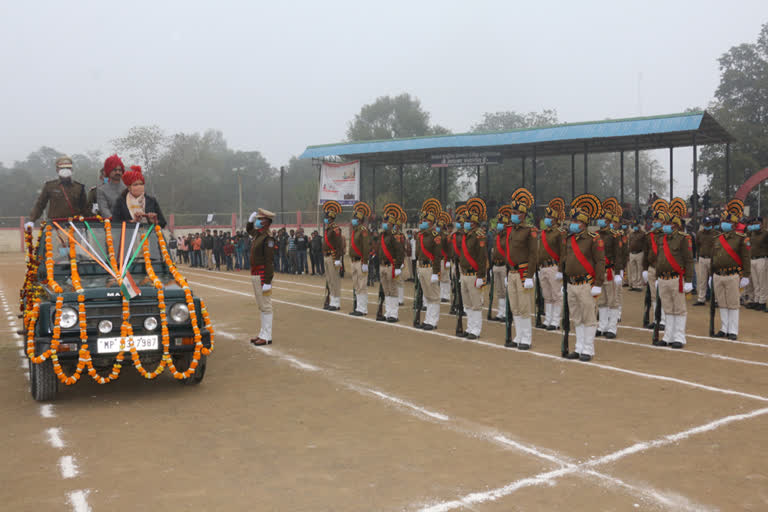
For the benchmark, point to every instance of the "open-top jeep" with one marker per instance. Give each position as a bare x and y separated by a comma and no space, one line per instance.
95,294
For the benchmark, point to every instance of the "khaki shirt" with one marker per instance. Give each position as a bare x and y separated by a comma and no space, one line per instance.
705,241
333,236
395,248
475,243
681,249
740,244
446,246
554,236
649,255
593,249
613,248
522,245
361,238
759,241
636,241
63,200
262,248
431,241
456,239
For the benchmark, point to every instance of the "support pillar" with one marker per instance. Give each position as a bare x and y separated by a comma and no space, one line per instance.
695,198
533,179
586,168
637,176
523,174
477,170
621,185
671,175
573,175
402,189
373,190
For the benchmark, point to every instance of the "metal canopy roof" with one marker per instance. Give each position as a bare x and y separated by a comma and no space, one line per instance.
657,132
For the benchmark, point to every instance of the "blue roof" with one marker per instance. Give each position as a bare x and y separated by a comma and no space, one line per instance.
542,137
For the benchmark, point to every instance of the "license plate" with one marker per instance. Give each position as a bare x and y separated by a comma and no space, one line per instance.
112,345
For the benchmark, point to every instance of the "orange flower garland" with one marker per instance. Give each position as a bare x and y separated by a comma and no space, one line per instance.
36,314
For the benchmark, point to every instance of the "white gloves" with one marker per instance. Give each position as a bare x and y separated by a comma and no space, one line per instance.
687,287
435,278
29,226
447,264
365,268
559,276
253,217
506,282
528,283
709,283
621,273
95,208
337,263
744,282
266,288
618,280
596,290
398,272
645,276
478,283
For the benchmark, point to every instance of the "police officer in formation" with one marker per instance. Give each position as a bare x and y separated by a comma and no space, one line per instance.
428,261
445,228
473,264
705,240
359,247
660,208
552,237
391,256
609,301
333,250
499,264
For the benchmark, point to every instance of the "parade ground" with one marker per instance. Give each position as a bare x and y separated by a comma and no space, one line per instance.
348,414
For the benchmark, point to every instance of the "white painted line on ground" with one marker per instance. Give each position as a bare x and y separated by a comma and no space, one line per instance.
26,374
46,411
68,467
404,403
79,500
54,437
291,360
559,359
20,344
22,353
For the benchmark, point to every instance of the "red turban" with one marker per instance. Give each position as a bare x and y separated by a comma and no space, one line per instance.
112,163
132,176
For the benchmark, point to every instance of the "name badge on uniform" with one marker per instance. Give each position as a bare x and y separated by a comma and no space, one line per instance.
271,244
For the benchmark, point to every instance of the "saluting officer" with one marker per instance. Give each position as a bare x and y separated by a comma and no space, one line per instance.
445,228
262,270
636,246
582,261
64,197
428,258
391,256
705,242
660,208
498,260
731,259
473,263
521,242
608,303
549,260
333,249
674,273
359,247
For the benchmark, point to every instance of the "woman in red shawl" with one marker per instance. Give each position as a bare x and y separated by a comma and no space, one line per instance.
134,205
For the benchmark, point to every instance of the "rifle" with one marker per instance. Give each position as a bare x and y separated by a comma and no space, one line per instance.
380,312
566,318
459,307
490,293
657,316
508,324
327,301
539,301
647,309
354,299
711,302
454,288
418,301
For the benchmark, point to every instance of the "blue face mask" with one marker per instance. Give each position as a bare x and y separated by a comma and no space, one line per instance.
355,222
623,226
257,224
575,227
726,226
424,225
656,225
514,219
437,229
707,228
601,223
384,226
467,226
548,222
458,225
667,229
499,226
635,228
753,227
106,180
325,221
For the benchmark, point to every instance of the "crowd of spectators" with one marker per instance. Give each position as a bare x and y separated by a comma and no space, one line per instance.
212,250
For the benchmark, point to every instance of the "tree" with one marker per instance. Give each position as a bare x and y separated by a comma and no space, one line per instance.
741,106
143,143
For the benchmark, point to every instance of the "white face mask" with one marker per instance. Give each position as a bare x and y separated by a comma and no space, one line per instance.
65,172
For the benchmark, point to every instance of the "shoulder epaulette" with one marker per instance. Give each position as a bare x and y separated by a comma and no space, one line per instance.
592,234
743,235
480,233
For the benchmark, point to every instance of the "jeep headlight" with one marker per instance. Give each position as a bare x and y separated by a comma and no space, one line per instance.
68,317
179,313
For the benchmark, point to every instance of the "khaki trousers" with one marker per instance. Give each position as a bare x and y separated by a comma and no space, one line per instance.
208,262
499,273
727,291
332,277
263,299
759,274
672,299
430,290
581,305
445,274
702,277
471,295
520,299
609,297
388,283
652,284
551,288
359,279
407,274
636,270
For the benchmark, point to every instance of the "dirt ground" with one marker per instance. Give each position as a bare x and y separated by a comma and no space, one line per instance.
349,414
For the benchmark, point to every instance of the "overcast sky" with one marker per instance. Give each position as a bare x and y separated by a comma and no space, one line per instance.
278,76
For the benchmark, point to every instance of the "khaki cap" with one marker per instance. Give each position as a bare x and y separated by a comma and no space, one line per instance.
265,214
63,161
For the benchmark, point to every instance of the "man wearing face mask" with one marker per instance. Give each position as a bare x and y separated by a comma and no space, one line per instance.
549,261
456,239
262,270
473,264
63,196
608,303
705,240
499,260
674,274
582,260
636,246
359,247
333,250
108,192
391,255
660,208
521,247
731,260
428,257
759,239
444,227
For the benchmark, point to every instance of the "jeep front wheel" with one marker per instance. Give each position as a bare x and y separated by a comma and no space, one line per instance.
43,383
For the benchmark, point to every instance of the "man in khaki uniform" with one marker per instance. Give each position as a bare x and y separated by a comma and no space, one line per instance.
549,260
608,303
582,262
391,255
359,247
64,197
705,240
456,240
333,249
445,228
521,246
473,263
428,258
759,238
674,274
499,261
660,208
636,246
731,259
262,270
406,267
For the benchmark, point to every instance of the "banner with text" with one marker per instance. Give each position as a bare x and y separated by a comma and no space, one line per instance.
466,159
340,182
